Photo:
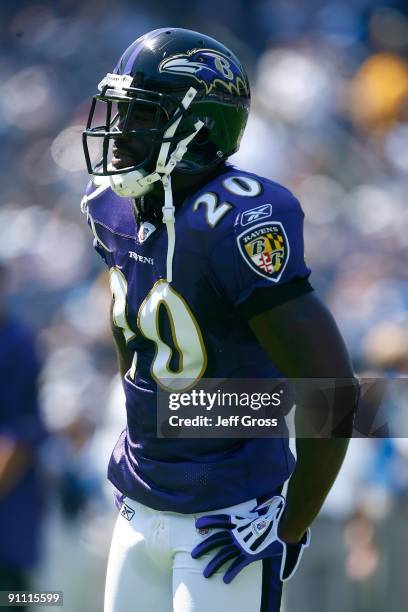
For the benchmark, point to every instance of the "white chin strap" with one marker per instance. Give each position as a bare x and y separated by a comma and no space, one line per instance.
137,183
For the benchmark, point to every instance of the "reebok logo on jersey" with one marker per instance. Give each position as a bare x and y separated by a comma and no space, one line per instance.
127,512
265,249
141,258
260,212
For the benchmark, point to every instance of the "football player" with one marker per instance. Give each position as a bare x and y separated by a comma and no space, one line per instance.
208,279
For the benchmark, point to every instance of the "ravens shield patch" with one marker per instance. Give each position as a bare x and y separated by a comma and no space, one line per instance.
265,248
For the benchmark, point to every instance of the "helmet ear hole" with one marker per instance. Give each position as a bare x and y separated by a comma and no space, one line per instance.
202,137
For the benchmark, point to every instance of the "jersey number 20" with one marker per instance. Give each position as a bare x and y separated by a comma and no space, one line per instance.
186,334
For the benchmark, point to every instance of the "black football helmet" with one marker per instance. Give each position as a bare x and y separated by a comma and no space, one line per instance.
151,79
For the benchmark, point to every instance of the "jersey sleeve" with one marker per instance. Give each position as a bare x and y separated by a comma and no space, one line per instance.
99,248
97,242
264,255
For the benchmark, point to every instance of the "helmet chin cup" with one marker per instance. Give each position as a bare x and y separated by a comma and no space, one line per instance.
130,184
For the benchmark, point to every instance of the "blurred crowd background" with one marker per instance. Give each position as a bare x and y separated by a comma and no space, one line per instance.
329,120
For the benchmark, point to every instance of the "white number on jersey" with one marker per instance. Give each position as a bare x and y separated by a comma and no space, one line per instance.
243,186
119,286
214,211
186,334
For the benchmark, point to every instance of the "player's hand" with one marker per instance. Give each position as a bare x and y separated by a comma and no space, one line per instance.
245,539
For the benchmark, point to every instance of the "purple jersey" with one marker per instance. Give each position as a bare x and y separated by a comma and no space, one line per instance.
238,233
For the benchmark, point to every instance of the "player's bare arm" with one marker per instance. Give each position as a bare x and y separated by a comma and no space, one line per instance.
288,334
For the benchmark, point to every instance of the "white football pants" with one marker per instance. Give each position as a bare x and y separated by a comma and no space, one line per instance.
150,568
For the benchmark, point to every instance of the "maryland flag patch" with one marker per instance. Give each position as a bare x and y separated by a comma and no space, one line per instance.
265,248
